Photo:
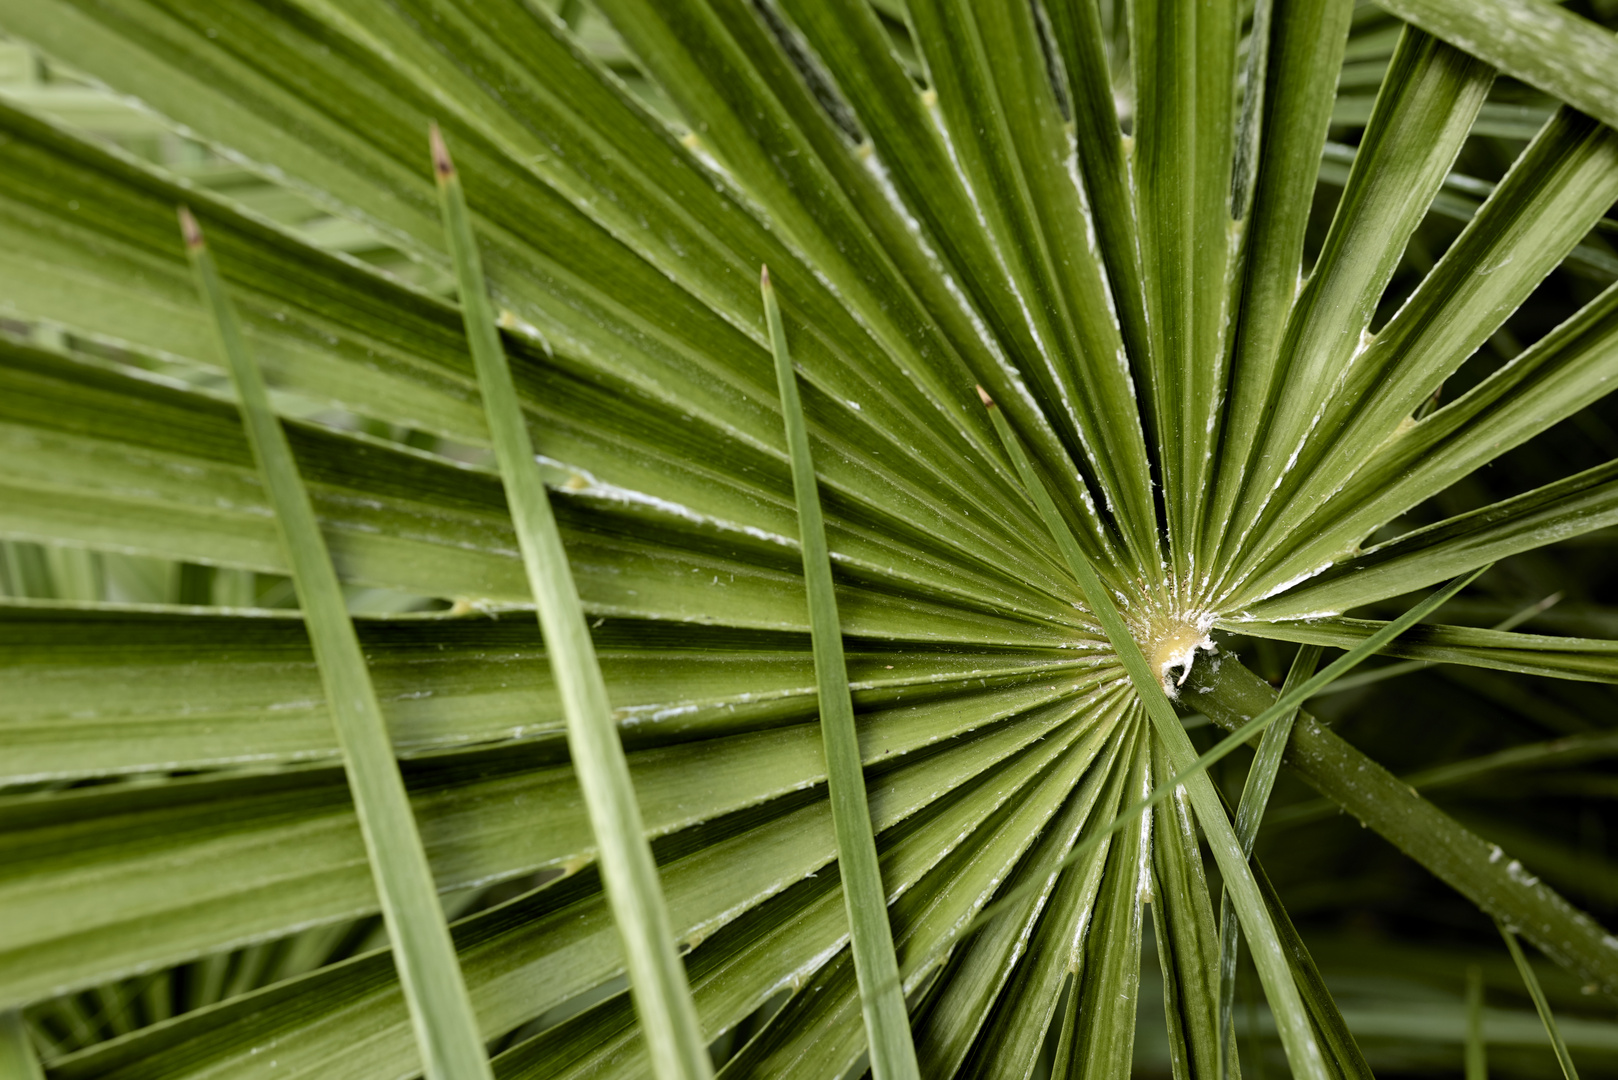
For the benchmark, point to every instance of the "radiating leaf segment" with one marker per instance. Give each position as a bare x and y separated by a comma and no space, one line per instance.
446,1029
656,974
887,1024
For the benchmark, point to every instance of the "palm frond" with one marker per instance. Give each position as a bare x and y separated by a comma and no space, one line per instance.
1290,310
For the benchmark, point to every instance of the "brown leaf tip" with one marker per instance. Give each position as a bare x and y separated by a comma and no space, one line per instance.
983,395
764,277
442,165
190,230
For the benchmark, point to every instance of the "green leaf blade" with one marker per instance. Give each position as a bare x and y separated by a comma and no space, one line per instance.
18,1059
1184,56
994,94
1543,1007
1580,503
887,1023
1541,43
1422,116
657,975
1305,53
1361,457
441,1012
1249,814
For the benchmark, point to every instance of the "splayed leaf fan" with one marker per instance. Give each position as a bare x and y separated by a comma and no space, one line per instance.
1094,331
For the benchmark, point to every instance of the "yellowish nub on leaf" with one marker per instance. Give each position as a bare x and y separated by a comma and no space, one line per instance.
1171,643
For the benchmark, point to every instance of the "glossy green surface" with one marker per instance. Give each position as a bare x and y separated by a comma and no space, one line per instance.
1292,312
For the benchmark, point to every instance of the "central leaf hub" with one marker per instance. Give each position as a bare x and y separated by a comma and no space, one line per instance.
1171,642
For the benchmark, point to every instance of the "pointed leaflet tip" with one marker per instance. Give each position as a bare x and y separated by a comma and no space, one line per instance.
988,402
764,277
443,167
190,229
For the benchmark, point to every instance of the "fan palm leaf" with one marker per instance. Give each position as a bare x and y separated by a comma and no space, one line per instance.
1213,414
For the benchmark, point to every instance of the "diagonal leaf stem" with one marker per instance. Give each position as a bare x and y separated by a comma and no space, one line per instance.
1255,796
18,1060
657,977
1230,694
1531,981
887,1023
440,1011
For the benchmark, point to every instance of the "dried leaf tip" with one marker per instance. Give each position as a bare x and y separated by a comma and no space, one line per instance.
443,167
190,230
764,277
983,395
